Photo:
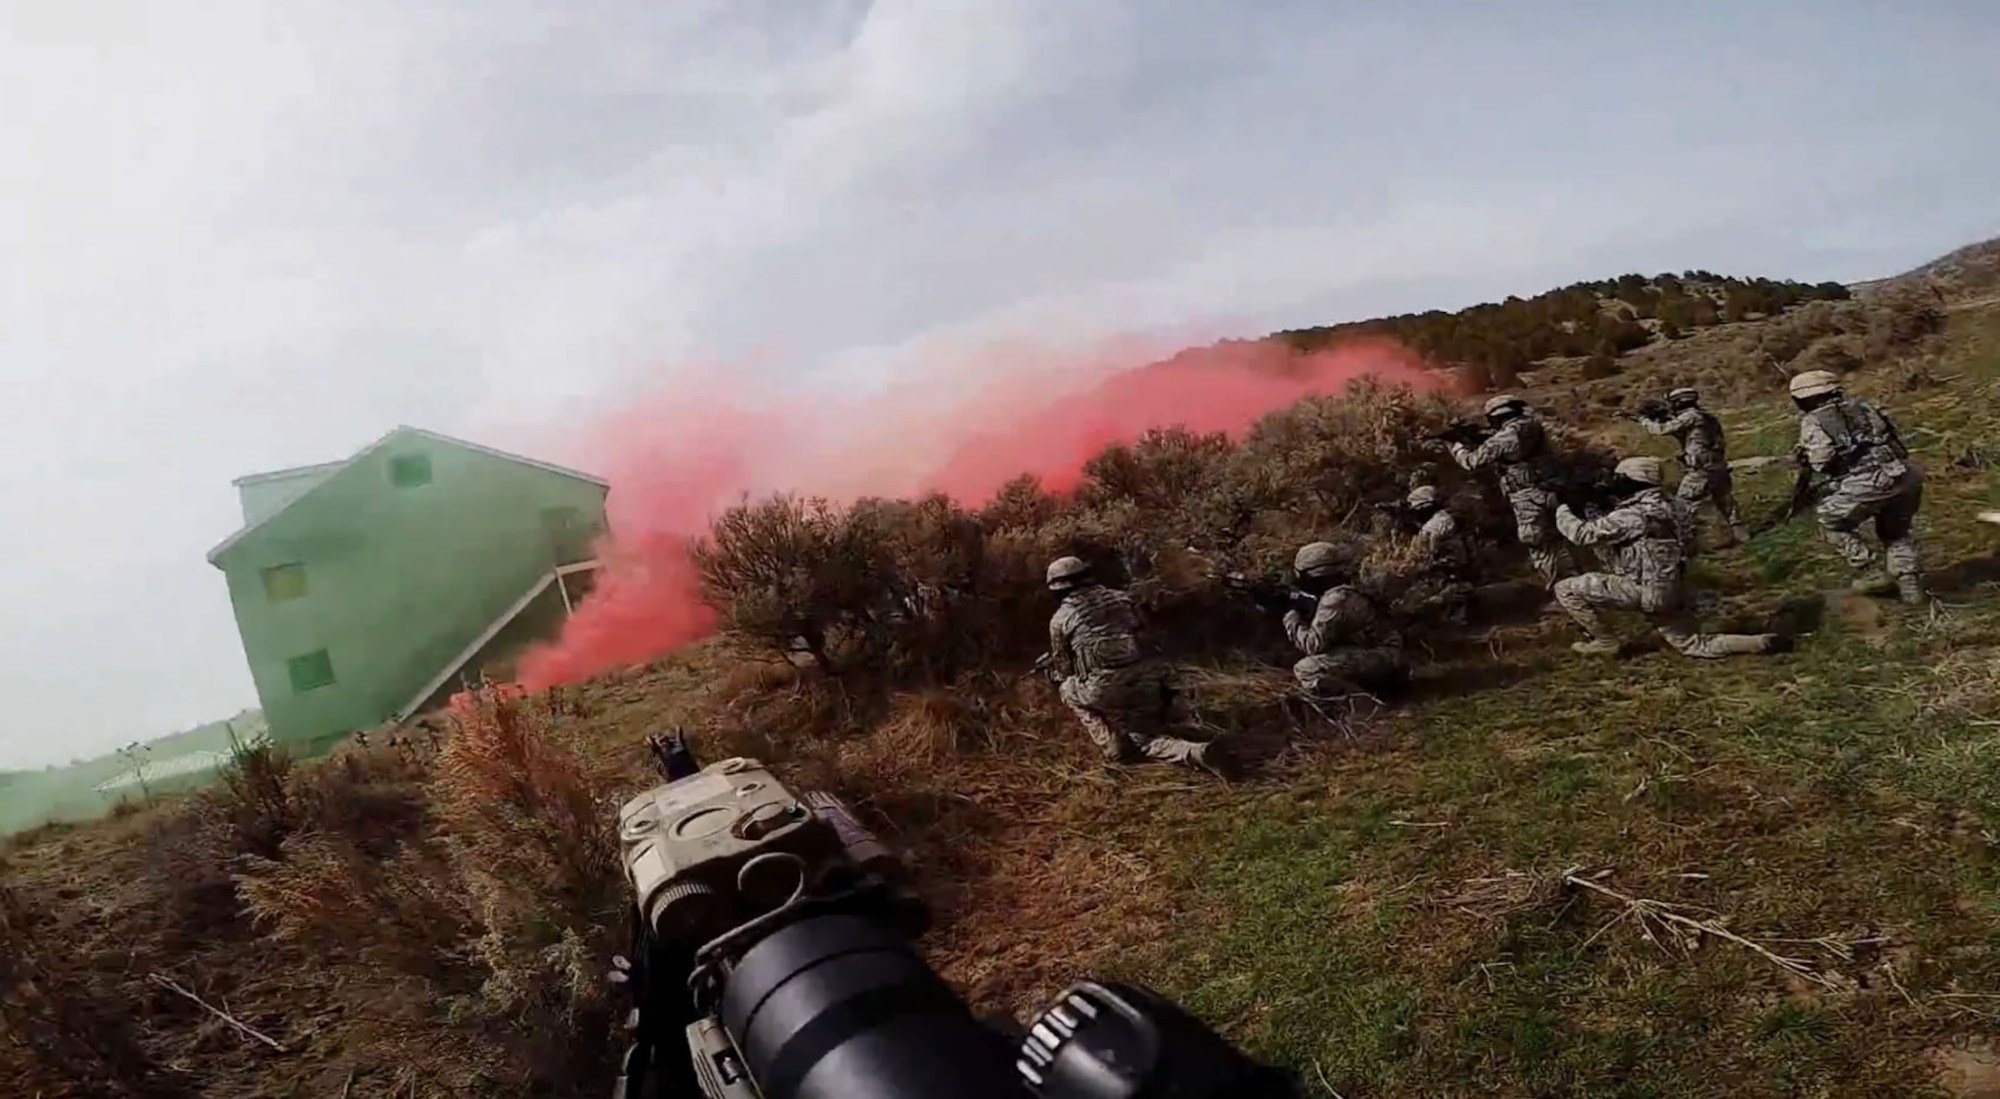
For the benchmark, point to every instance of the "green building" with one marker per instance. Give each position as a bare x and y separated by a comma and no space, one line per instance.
371,589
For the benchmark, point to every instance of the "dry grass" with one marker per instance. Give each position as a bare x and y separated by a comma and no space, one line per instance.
1383,907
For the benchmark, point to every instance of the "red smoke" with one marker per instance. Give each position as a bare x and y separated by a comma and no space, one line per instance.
675,462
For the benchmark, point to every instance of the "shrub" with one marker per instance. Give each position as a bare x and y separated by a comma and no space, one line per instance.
66,1036
922,592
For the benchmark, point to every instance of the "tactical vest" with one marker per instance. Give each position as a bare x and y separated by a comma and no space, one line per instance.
1367,626
1536,468
1657,558
1704,438
1863,438
1103,629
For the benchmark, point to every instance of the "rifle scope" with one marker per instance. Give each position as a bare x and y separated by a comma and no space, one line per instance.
788,923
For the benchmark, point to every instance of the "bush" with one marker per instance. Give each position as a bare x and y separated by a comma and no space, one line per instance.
920,593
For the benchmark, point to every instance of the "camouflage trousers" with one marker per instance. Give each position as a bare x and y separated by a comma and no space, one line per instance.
1535,527
1585,597
1888,496
1124,712
1350,669
1714,486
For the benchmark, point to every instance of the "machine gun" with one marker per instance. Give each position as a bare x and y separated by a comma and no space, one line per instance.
1805,488
1461,431
1654,409
772,958
1272,596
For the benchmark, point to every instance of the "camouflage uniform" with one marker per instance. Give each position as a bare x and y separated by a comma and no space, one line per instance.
1118,693
1519,449
1446,559
1642,541
1705,458
1868,476
1442,546
1345,644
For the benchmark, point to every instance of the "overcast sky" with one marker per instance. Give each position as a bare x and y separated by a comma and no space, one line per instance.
237,236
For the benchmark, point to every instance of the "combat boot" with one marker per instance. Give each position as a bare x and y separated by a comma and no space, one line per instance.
1910,589
1596,647
1873,583
1216,758
1739,534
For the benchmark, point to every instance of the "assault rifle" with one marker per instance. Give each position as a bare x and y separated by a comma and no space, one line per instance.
1272,596
1805,488
1044,666
1460,431
772,957
1653,409
1589,492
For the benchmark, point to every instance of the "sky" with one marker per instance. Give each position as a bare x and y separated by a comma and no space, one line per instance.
239,236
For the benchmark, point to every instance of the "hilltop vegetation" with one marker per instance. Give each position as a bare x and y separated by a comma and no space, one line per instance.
1498,341
1388,906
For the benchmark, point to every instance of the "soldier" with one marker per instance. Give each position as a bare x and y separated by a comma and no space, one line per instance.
1438,538
1703,456
1864,473
1115,689
1643,539
1444,555
1518,447
1346,642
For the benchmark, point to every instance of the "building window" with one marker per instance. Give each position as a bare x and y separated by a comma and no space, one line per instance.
283,583
410,470
311,671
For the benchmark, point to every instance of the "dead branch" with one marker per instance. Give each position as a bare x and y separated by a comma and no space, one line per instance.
1677,924
240,1026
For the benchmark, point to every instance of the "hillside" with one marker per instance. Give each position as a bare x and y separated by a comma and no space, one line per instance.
1969,274
1543,875
69,794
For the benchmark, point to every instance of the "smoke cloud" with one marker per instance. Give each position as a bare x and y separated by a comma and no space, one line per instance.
678,459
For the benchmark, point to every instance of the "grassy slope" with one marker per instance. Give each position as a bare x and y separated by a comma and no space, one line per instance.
1387,914
1364,921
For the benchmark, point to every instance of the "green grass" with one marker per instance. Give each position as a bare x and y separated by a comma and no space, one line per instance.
1394,921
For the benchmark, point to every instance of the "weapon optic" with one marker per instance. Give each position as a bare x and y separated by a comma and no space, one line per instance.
772,944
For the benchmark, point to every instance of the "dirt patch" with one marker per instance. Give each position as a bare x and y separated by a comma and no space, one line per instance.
1862,616
1968,1071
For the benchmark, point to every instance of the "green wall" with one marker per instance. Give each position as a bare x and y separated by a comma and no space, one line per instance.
398,579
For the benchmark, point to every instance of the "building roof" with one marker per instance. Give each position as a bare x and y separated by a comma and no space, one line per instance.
288,474
224,546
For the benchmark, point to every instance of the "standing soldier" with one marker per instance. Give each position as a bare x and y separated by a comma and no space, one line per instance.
1116,690
1865,474
1518,448
1704,457
1346,643
1642,538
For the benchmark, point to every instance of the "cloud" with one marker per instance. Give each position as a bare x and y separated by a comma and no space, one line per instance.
256,235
